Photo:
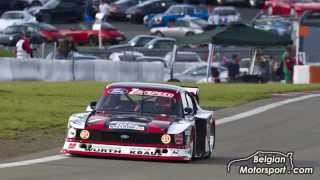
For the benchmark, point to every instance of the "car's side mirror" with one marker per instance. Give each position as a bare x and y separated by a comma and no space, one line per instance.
91,106
188,111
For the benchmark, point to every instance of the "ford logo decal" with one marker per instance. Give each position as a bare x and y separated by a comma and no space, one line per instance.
124,136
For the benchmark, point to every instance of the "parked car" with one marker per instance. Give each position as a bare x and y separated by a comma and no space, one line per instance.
152,59
184,56
137,41
173,13
59,11
145,121
251,3
136,13
277,24
48,32
186,26
199,74
290,7
161,43
224,15
125,56
9,5
11,35
118,8
109,34
10,18
36,2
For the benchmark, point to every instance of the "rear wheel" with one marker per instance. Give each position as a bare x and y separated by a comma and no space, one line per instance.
159,33
189,33
93,41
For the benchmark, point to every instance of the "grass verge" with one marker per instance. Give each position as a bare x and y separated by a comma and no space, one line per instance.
46,106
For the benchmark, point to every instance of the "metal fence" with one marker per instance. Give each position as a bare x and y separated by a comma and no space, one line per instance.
67,70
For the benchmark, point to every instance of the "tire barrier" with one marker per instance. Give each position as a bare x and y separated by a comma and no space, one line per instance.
66,70
306,74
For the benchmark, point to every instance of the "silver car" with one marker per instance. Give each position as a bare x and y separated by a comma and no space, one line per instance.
186,26
199,74
224,15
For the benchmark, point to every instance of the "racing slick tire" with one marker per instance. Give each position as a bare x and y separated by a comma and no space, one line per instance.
211,142
93,41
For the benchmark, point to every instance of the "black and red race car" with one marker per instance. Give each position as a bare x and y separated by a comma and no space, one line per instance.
144,121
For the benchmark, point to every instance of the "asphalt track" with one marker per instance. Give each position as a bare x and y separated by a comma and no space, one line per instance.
291,127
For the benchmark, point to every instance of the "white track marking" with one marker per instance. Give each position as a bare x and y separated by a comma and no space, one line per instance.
263,109
218,122
33,161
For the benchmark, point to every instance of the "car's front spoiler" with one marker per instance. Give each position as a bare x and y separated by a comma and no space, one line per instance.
136,152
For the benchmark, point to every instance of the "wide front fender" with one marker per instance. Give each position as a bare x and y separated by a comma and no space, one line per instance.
180,126
78,120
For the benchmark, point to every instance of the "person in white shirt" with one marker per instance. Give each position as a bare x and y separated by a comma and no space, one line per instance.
23,49
104,9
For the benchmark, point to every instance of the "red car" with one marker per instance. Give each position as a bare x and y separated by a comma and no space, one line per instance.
290,7
109,34
48,32
145,121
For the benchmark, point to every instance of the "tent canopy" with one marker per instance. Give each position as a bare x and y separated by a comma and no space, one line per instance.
238,35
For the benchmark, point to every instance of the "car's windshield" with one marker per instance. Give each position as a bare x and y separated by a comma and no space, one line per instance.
12,16
225,12
140,41
47,27
51,4
13,29
134,100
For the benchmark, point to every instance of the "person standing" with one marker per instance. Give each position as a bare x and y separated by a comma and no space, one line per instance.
104,9
288,62
23,49
233,67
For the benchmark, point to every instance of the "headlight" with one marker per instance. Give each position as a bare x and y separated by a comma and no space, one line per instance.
166,139
158,20
84,134
72,133
178,139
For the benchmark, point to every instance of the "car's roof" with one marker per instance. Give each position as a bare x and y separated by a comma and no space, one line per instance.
183,5
224,8
147,85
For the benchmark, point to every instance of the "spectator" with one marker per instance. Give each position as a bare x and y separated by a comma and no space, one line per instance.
23,49
62,49
89,13
233,67
215,74
288,61
104,9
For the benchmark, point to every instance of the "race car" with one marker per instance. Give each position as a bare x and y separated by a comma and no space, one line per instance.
143,121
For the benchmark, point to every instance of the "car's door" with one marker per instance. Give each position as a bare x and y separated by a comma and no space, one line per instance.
282,7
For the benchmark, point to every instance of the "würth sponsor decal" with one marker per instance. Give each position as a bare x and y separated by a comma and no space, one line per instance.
102,149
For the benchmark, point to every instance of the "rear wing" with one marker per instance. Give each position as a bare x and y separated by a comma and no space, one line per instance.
195,91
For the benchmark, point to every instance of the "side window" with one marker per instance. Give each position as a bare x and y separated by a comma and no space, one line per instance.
184,100
189,102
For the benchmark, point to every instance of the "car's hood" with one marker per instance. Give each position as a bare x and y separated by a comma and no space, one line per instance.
130,122
308,6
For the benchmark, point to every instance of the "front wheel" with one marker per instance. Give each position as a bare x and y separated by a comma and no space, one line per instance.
211,142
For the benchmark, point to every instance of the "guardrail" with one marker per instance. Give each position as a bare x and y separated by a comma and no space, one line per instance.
67,70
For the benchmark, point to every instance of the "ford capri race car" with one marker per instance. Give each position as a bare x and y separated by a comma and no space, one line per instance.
145,121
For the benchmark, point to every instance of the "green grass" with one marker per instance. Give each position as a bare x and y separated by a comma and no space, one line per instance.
6,53
32,106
